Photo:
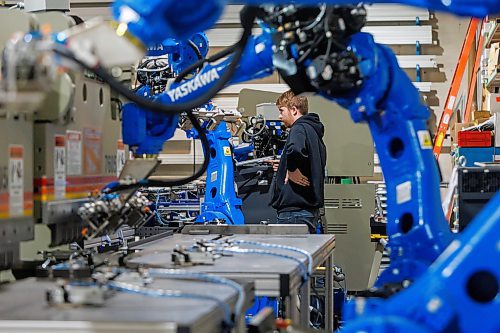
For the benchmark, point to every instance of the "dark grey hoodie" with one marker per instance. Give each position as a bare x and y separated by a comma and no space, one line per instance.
306,151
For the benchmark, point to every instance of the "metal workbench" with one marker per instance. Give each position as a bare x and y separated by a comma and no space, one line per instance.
23,309
272,276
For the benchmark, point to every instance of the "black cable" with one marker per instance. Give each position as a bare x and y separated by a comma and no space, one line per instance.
313,287
311,47
247,17
227,51
131,95
195,49
181,181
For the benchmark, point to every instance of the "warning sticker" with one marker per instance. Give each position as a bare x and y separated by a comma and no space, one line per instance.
446,119
59,166
74,164
16,180
439,140
227,151
92,151
425,140
451,102
403,192
213,176
120,157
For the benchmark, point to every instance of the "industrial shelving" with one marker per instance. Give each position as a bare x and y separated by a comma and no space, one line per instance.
493,35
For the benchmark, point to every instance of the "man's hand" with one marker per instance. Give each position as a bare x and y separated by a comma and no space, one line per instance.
297,177
275,164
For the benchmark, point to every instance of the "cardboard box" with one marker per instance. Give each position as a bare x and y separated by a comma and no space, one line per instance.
493,59
480,120
457,128
480,115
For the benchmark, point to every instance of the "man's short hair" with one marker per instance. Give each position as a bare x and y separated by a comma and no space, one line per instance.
288,99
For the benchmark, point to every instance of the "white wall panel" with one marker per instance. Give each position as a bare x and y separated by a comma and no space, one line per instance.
411,61
376,13
401,35
279,88
390,35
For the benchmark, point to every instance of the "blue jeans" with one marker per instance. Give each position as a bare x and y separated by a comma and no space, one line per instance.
310,218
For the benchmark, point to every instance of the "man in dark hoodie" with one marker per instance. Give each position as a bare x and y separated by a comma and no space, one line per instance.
298,188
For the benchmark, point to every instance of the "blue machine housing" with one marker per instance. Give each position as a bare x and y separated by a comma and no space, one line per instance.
146,132
392,107
256,63
154,21
180,54
458,293
242,151
473,155
143,131
221,201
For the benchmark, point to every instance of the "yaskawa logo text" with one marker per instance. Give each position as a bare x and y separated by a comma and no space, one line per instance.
157,47
194,84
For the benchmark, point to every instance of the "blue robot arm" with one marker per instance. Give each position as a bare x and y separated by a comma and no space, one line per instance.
221,202
146,132
256,62
364,77
459,292
393,109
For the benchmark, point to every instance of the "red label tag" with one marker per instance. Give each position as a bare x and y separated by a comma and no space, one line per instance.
16,151
59,140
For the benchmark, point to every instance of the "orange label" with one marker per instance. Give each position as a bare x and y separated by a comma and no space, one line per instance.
59,140
16,151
